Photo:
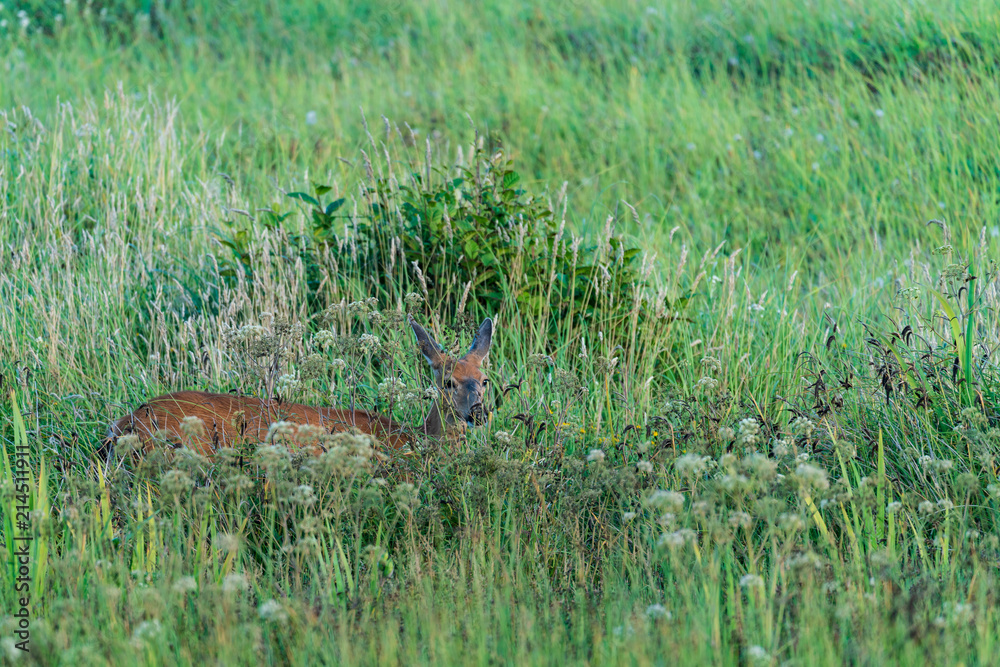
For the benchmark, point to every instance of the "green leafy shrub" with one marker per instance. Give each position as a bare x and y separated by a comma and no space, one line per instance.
471,235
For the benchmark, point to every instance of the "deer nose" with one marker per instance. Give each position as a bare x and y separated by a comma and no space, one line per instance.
477,416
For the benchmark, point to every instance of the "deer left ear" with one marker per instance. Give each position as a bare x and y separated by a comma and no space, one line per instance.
481,343
428,346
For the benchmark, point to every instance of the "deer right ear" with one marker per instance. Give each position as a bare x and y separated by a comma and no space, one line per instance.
428,346
481,343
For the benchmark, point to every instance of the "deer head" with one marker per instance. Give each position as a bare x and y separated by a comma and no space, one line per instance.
460,382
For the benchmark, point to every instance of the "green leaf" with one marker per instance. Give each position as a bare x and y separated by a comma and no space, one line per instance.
511,178
302,196
321,190
335,205
471,248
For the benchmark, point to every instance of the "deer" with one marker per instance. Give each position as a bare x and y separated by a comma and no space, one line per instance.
227,419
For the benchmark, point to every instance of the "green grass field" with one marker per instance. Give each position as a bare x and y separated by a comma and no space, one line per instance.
744,382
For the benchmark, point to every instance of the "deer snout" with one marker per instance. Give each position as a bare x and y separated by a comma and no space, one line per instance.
477,415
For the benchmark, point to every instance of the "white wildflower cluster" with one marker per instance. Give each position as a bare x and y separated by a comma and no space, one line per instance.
310,434
666,501
363,306
791,523
621,632
655,612
242,335
281,429
540,361
974,417
234,583
287,384
605,365
942,465
176,483
391,388
193,427
932,465
677,538
503,438
749,430
274,458
128,443
707,384
595,456
812,477
185,585
804,561
782,447
369,343
324,339
407,497
692,465
751,581
346,454
734,482
761,467
146,631
711,364
303,495
740,520
644,466
272,610
803,426
227,542
412,300
726,434
293,330
758,655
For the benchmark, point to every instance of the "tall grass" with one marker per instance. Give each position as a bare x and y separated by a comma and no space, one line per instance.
767,436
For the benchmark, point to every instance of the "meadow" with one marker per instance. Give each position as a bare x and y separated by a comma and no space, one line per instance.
741,259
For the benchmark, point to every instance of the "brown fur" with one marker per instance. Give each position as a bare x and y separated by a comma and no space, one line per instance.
231,420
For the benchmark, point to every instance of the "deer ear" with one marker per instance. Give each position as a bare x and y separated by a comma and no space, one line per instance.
428,346
481,343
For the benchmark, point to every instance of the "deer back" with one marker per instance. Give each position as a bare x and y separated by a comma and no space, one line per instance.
228,420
